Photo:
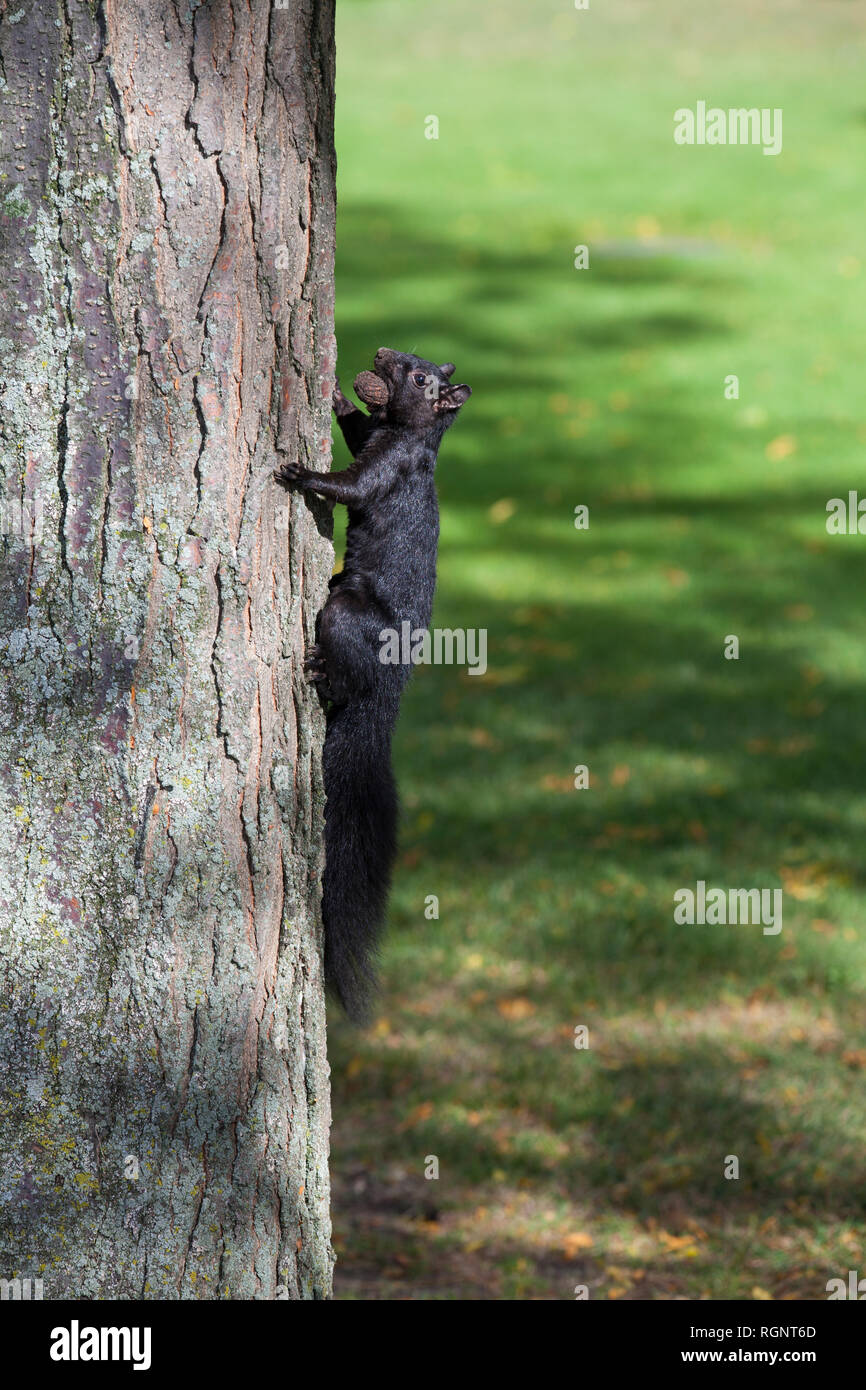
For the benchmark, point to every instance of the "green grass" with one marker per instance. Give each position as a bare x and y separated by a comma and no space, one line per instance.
707,517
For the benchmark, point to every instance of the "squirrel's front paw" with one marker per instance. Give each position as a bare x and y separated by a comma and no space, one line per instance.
316,669
290,473
314,663
341,405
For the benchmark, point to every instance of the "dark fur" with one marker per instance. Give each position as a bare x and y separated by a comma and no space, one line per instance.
388,577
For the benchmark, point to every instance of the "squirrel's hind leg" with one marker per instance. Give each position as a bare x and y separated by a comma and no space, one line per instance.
345,660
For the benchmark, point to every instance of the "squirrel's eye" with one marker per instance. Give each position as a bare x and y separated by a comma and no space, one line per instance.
419,378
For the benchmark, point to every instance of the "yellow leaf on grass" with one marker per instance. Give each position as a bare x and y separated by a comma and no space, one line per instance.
675,1242
502,510
553,783
646,227
781,448
801,883
480,738
515,1008
420,1113
575,1242
823,928
676,577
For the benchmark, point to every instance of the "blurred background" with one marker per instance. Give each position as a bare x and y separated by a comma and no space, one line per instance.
606,387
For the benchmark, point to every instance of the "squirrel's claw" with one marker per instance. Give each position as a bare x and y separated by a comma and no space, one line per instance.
289,473
340,404
316,669
314,664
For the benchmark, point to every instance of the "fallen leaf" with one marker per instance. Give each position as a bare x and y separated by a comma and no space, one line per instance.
575,1242
781,448
515,1008
502,510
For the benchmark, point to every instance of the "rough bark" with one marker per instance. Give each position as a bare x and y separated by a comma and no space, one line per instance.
166,326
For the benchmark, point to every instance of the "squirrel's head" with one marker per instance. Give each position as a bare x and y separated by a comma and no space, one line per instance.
407,391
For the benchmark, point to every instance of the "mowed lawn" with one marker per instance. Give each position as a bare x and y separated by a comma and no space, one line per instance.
605,387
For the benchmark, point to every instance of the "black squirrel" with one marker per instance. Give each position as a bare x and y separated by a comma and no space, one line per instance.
388,578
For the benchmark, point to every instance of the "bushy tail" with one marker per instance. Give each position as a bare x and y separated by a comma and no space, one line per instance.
360,844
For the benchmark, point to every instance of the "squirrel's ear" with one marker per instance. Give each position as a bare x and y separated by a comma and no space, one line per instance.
447,369
452,397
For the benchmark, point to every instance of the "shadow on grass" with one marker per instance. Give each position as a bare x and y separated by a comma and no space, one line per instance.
606,649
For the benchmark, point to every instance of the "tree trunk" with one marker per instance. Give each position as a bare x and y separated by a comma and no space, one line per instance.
166,325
